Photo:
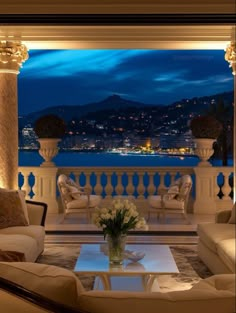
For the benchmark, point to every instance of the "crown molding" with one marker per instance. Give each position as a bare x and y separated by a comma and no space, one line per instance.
115,37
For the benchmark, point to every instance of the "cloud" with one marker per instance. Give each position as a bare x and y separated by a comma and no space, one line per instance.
61,77
62,63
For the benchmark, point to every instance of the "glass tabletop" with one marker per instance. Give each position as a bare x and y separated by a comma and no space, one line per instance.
158,259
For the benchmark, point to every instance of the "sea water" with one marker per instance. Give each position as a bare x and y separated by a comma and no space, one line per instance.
75,158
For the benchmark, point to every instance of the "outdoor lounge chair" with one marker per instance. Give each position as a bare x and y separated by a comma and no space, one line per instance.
172,200
76,199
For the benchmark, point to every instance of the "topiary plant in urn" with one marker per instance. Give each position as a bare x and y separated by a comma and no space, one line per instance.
49,129
206,130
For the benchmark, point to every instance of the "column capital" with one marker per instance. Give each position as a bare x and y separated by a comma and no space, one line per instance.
230,56
12,55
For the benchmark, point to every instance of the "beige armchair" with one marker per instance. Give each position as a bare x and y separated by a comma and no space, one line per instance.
76,199
171,200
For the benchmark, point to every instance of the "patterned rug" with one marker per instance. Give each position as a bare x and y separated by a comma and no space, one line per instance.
191,268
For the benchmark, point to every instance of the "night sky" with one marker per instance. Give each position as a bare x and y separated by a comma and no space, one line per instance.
77,77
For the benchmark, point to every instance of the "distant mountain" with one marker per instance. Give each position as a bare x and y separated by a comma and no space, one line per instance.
68,112
199,104
115,102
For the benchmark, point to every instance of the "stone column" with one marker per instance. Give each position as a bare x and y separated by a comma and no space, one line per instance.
230,56
205,202
45,188
12,55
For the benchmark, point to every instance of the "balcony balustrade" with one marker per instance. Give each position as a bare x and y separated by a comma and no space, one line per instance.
212,186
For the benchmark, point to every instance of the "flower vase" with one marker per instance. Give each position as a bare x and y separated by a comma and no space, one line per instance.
116,248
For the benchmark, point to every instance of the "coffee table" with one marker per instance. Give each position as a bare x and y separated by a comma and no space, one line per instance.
158,260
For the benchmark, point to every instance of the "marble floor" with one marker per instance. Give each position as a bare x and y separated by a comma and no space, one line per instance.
173,230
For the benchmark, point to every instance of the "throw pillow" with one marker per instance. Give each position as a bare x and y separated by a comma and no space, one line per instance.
184,189
11,209
52,282
65,193
232,219
22,195
75,194
23,203
172,192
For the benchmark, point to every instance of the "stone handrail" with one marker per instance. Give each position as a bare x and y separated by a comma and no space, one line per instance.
212,186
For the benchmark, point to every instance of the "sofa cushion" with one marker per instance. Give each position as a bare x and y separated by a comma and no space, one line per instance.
37,232
232,219
12,209
50,281
219,282
214,296
226,251
213,233
21,243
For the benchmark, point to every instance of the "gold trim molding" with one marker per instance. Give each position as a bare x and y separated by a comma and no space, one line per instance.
12,55
230,56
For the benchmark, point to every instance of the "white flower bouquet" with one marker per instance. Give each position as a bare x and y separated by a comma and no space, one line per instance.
119,218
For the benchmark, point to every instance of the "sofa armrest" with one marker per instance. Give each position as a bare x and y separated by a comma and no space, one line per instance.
219,282
37,300
37,212
223,216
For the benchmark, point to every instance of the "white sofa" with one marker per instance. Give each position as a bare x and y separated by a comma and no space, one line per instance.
215,294
29,239
216,245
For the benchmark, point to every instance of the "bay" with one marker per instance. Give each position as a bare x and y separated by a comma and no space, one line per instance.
75,158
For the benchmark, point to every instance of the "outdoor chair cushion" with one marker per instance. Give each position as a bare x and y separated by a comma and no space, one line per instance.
155,201
82,202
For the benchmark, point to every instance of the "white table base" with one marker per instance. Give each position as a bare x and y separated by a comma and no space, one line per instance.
127,283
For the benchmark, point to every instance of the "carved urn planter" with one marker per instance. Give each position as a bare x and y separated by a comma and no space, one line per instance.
204,150
48,150
206,130
49,129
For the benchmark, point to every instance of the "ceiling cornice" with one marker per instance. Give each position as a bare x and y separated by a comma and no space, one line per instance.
119,36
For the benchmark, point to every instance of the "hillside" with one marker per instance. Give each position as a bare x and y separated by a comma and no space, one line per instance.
196,105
